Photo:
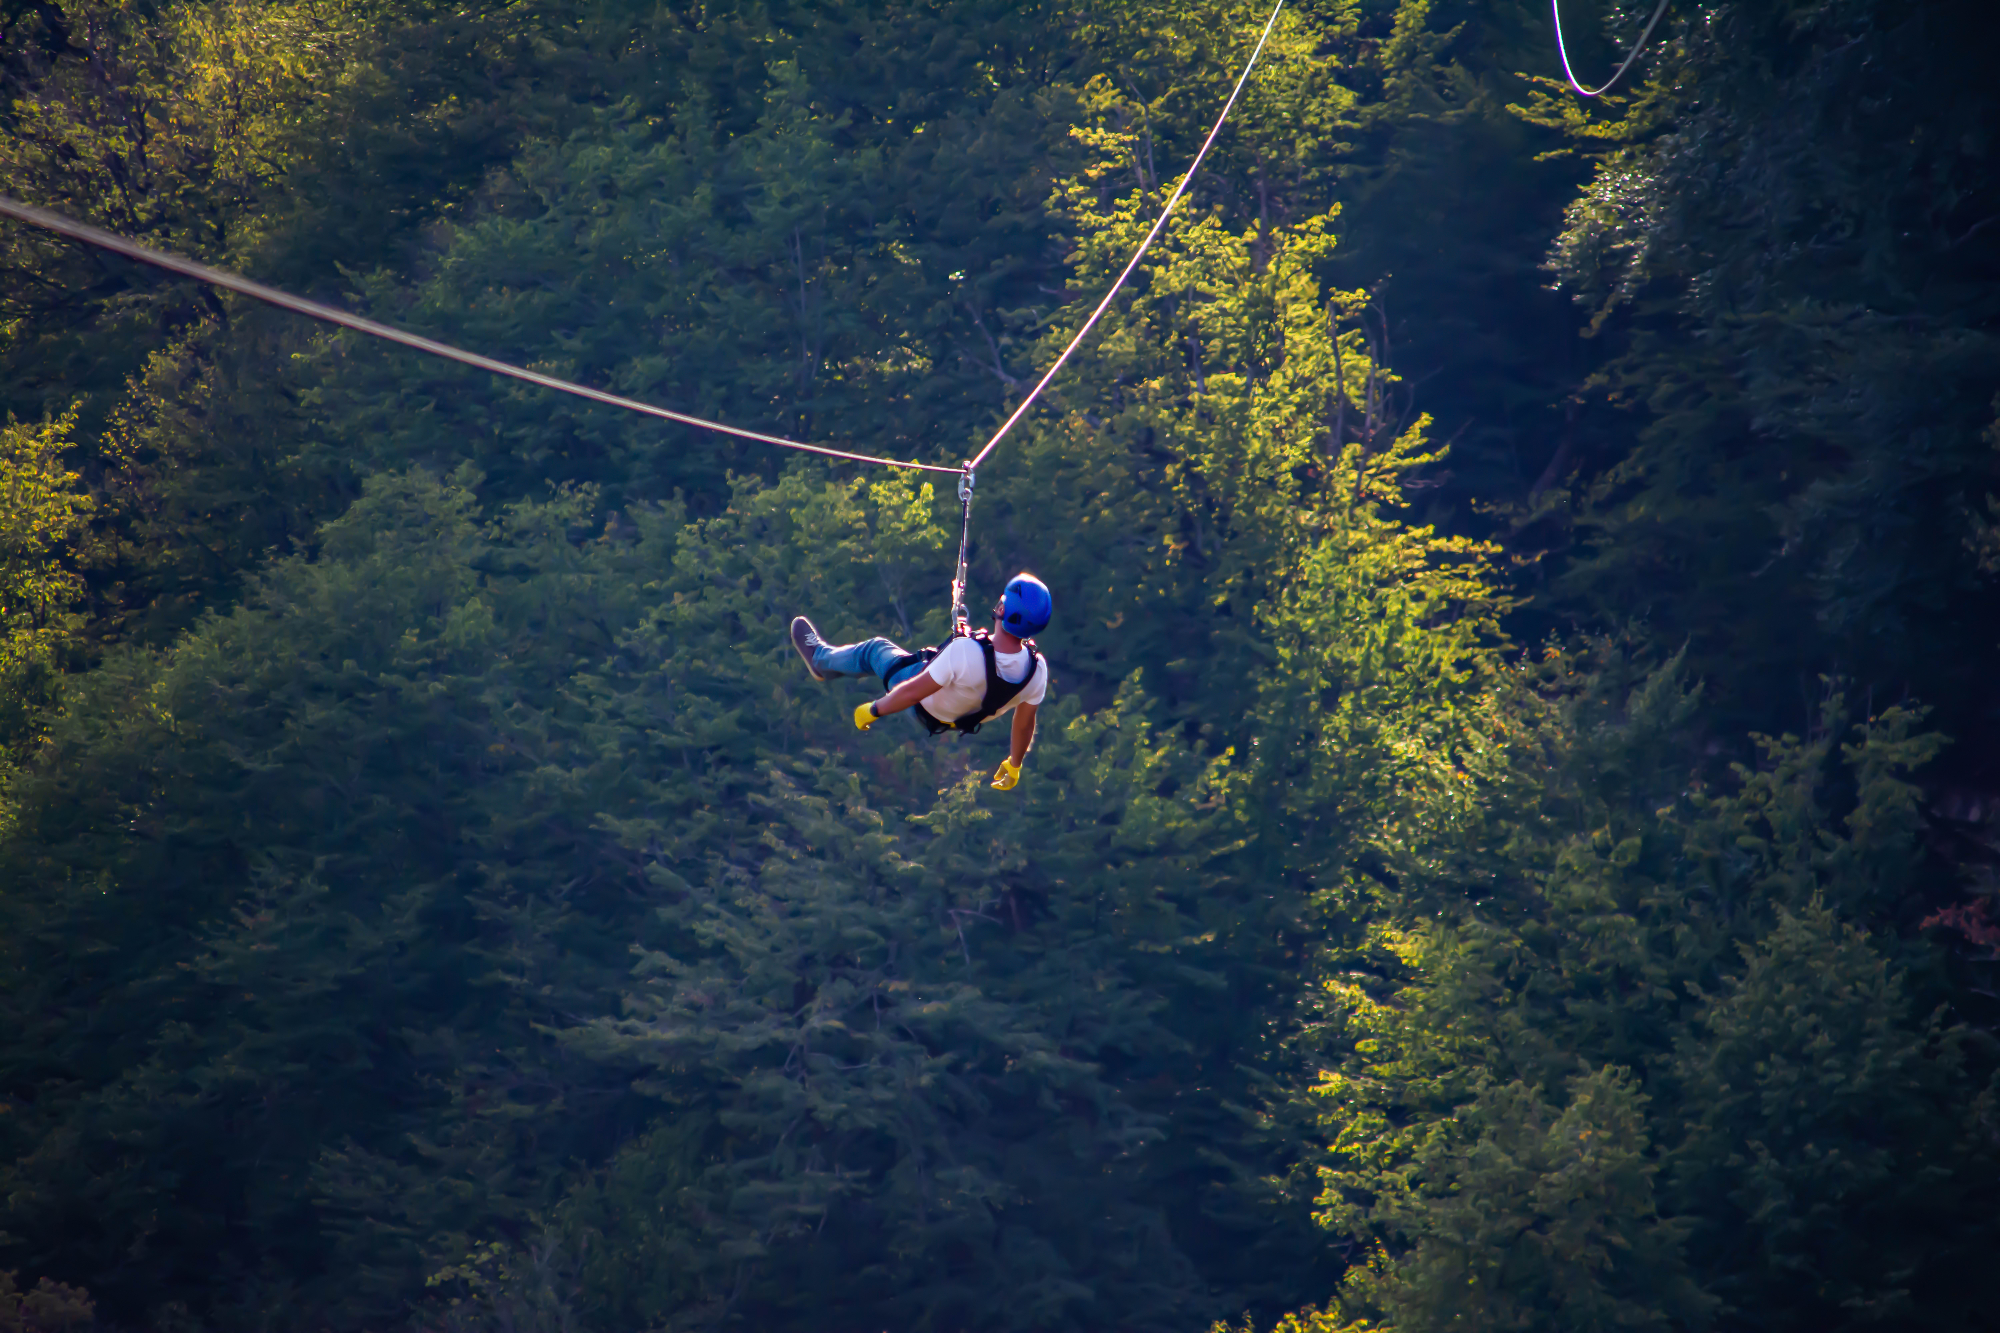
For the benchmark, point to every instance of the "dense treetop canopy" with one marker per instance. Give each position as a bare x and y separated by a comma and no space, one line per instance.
1510,842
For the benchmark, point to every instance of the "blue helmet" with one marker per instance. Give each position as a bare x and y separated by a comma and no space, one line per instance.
1025,607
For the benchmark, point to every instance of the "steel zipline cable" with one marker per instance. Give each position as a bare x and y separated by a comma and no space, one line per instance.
965,482
1138,254
104,240
1131,266
1630,56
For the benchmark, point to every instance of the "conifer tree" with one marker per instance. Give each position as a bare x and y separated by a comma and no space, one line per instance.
432,892
1811,392
1543,1001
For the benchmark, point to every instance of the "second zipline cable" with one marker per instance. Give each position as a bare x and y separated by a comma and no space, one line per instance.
1630,56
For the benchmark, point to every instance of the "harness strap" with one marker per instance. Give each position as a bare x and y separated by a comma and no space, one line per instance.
999,693
921,657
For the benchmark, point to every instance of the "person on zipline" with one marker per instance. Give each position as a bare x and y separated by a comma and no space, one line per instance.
964,684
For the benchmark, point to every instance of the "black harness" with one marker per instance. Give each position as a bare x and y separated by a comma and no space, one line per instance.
999,693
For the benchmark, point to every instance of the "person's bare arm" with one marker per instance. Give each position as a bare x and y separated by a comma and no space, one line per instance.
905,695
1024,733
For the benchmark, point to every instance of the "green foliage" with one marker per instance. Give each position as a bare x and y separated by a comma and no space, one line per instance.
641,1228
1791,239
768,235
42,513
1549,1220
292,937
287,140
1814,1100
1561,1095
434,895
875,1080
164,124
529,1290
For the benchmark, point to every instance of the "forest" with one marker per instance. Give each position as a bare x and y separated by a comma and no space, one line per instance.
1512,843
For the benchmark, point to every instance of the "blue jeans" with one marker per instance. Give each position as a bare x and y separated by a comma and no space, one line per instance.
866,658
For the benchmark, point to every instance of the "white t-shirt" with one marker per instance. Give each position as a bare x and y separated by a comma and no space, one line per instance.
960,671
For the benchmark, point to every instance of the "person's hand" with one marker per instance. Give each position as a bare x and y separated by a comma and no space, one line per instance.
866,716
1006,775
